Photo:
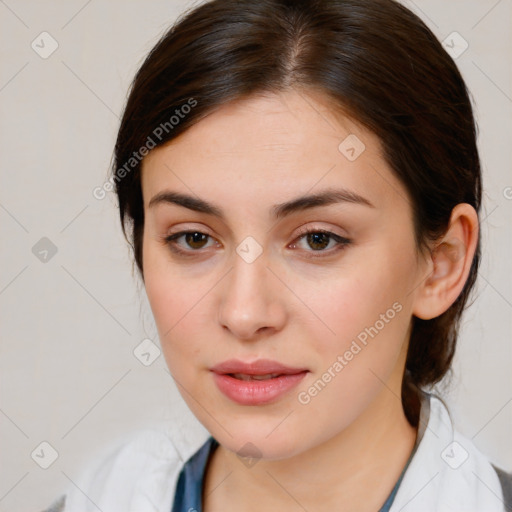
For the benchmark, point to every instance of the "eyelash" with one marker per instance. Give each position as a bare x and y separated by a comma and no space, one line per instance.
171,242
341,242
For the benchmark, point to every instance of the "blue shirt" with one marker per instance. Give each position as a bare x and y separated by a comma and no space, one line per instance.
188,497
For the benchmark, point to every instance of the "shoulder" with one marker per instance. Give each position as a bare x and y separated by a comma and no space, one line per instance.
506,486
448,472
137,474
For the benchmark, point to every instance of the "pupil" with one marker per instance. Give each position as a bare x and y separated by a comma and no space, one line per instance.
196,240
318,241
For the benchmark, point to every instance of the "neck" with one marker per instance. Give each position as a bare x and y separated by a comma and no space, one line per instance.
354,470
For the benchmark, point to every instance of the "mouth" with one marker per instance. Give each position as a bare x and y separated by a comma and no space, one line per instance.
256,383
243,376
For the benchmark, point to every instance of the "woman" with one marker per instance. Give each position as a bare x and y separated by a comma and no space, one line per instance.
301,185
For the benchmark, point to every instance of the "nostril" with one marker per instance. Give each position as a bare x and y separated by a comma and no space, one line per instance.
263,330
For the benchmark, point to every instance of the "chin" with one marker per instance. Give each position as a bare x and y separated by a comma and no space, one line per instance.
255,446
260,438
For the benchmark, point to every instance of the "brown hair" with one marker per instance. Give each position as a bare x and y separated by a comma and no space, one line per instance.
373,58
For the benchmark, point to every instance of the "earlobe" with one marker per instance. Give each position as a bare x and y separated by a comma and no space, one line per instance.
451,259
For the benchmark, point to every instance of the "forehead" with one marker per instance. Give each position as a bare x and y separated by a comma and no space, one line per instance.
269,147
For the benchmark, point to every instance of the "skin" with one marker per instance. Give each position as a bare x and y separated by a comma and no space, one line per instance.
301,307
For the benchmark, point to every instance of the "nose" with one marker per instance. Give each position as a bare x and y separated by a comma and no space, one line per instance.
251,304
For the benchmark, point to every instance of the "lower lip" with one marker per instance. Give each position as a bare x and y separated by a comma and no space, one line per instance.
256,392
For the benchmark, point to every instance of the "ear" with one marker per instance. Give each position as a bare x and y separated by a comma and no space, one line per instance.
448,264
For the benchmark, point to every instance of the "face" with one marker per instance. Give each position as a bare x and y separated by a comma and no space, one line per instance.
280,265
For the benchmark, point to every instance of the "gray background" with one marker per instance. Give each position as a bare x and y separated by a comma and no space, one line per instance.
69,324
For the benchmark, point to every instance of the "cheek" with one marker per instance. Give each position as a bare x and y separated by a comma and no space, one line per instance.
182,309
179,324
368,303
369,312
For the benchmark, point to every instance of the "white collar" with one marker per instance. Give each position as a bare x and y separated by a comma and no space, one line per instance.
446,474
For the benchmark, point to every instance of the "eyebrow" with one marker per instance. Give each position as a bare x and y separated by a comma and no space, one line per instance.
324,198
190,202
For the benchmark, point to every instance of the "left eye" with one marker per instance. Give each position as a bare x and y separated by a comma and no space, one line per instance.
320,241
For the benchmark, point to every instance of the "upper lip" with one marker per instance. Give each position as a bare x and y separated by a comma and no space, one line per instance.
258,367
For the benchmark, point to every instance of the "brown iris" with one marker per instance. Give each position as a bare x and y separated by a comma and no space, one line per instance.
196,240
318,241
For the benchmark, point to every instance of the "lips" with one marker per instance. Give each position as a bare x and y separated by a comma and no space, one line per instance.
259,367
256,383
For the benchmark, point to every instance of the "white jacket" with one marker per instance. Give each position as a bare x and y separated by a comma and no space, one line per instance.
446,474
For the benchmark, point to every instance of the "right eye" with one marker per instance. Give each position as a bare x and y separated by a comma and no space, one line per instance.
189,241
